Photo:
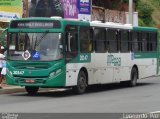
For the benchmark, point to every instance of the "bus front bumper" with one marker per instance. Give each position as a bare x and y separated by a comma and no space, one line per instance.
56,81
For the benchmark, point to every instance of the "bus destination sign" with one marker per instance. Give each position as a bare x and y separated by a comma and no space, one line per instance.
35,24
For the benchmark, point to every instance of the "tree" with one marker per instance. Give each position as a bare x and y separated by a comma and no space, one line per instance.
145,13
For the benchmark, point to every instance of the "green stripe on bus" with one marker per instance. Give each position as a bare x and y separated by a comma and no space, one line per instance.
145,29
146,55
82,58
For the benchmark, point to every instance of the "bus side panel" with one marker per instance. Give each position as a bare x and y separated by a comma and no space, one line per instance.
146,67
74,68
147,64
71,74
103,73
122,66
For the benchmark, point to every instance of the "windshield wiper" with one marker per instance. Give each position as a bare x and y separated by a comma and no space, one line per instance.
37,42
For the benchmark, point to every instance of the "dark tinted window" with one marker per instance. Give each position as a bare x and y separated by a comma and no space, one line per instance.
136,44
145,39
100,40
86,41
153,41
112,38
124,35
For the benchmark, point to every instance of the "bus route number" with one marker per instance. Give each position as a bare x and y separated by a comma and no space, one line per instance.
83,57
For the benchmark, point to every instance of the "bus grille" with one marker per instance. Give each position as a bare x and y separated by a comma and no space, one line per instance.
31,66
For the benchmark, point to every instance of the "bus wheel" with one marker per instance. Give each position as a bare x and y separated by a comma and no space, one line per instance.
133,78
81,83
31,90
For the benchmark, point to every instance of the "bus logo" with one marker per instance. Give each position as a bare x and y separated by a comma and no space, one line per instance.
112,60
26,55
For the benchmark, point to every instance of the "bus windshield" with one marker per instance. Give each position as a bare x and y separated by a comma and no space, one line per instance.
35,46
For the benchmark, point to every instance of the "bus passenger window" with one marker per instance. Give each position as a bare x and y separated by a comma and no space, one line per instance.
86,41
153,41
112,38
145,39
124,35
135,43
100,40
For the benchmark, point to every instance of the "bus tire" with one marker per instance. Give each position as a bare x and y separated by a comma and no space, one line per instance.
31,90
133,77
81,83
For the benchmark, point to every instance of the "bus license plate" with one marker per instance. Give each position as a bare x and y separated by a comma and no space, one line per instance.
30,81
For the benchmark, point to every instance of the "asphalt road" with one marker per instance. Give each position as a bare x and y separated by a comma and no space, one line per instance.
113,98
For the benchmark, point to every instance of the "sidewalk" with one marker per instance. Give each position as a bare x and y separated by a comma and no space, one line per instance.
7,89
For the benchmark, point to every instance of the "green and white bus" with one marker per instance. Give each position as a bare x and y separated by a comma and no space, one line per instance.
56,52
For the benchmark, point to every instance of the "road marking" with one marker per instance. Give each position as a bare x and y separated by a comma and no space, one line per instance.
155,112
58,90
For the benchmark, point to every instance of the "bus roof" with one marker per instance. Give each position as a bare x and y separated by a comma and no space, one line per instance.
146,29
68,21
35,24
87,23
111,25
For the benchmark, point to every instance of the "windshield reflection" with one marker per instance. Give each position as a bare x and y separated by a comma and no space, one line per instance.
35,46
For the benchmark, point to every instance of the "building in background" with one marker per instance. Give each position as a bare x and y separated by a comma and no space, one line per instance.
12,9
89,10
68,9
113,11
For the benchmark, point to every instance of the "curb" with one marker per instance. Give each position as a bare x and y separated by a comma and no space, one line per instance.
16,89
11,90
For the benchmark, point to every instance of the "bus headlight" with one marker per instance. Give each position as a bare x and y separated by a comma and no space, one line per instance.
55,72
58,71
52,74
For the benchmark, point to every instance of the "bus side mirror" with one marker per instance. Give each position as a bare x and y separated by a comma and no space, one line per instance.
61,47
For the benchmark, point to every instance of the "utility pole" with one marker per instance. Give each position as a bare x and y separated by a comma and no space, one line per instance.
130,11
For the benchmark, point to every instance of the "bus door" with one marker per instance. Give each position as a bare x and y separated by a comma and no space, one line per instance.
71,53
71,42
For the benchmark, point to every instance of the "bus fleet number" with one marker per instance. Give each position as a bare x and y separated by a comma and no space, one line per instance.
83,57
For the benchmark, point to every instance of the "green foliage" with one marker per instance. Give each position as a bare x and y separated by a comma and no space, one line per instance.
155,3
125,1
145,14
140,22
115,3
